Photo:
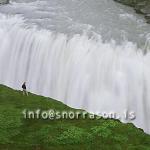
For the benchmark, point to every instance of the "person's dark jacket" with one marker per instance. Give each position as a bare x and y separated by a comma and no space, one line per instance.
24,86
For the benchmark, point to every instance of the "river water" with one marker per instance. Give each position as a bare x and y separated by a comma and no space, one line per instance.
89,54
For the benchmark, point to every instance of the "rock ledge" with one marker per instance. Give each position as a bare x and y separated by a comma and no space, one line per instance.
140,6
4,2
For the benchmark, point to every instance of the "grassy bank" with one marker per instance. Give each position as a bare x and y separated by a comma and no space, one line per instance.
18,133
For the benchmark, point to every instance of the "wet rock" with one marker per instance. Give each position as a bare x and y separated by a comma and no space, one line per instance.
4,2
148,18
140,6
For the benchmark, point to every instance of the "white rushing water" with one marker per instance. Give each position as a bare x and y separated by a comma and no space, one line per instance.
91,54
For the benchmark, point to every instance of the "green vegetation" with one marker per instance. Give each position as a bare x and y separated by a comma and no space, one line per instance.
17,133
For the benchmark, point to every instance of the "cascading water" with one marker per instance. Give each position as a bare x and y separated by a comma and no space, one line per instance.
89,54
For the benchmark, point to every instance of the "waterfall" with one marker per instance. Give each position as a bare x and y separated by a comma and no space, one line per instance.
147,44
83,72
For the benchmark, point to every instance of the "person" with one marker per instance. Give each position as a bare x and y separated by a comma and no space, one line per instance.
24,89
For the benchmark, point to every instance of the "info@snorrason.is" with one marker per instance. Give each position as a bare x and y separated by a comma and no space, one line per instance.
53,114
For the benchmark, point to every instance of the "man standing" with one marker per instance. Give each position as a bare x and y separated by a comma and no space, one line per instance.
24,89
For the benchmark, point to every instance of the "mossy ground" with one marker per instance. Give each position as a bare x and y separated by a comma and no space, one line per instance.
17,133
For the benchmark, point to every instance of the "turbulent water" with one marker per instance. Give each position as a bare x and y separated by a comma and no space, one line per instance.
90,54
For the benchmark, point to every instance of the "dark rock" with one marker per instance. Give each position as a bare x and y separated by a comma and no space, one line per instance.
4,2
148,18
140,6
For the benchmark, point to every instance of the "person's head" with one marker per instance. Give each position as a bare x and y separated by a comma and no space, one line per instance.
24,83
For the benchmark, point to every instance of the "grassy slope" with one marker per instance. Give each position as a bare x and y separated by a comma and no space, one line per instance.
17,133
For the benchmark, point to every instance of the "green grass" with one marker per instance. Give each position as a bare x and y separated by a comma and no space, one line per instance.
18,133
